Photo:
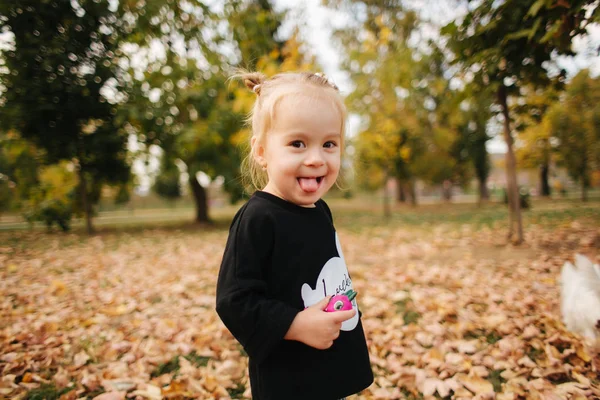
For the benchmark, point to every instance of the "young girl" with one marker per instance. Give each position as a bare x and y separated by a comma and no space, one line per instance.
283,261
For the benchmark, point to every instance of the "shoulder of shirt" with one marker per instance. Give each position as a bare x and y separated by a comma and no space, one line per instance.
321,203
255,209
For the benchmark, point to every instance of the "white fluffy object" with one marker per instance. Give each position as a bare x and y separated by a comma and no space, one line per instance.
580,297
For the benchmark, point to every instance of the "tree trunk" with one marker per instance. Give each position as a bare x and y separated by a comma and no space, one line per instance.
515,221
545,185
387,212
412,192
83,191
200,199
85,204
584,177
447,190
583,189
400,191
484,194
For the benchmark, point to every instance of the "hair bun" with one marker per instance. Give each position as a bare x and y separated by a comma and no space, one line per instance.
254,81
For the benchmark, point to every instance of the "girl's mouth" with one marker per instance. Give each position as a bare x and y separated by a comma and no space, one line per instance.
310,184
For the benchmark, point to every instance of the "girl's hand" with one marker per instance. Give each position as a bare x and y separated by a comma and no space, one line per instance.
316,327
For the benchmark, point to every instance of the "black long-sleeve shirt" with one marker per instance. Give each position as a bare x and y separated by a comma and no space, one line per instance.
279,259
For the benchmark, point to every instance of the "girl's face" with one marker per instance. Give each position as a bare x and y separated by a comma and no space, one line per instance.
302,151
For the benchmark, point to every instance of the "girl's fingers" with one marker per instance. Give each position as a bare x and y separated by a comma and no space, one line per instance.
322,305
341,316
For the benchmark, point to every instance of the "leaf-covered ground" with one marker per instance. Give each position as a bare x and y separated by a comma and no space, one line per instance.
449,309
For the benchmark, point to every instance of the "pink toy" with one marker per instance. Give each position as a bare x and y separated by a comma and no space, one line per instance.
341,302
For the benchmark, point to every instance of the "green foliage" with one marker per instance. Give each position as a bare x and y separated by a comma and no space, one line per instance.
415,125
52,202
167,184
197,118
63,55
254,26
19,164
123,194
51,212
6,195
509,45
382,67
575,122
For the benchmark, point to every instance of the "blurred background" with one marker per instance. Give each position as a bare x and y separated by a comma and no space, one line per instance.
121,110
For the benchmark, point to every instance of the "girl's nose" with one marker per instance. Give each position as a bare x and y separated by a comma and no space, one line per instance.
314,158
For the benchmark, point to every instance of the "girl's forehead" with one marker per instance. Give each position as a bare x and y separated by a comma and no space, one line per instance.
305,100
302,102
313,113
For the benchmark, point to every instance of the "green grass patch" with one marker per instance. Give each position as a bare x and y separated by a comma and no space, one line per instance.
355,215
196,359
405,307
172,366
491,337
408,395
496,380
411,317
47,392
534,353
166,368
236,392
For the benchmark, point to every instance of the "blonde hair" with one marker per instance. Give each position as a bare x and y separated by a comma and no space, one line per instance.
269,93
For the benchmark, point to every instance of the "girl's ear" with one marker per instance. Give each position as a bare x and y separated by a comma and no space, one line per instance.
258,152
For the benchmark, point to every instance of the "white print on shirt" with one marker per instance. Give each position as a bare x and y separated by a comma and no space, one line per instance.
333,279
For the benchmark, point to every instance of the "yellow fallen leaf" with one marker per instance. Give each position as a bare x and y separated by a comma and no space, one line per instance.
476,384
581,379
58,287
209,382
111,396
582,353
116,311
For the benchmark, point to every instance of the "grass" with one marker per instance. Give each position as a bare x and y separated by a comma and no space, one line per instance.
356,215
173,364
496,380
47,392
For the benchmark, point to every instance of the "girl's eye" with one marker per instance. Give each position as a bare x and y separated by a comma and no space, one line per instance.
297,144
329,145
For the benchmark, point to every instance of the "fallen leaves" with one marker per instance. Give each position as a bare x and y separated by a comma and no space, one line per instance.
448,314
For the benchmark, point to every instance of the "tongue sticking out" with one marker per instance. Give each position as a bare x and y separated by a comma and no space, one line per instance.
308,184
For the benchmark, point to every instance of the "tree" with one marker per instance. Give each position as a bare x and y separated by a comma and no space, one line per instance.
382,68
475,110
19,166
62,58
535,143
187,107
509,44
575,122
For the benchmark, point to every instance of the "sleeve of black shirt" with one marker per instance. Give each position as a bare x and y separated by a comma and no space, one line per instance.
257,321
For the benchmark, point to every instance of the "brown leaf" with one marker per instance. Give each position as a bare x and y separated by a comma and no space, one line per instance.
81,359
476,384
111,396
